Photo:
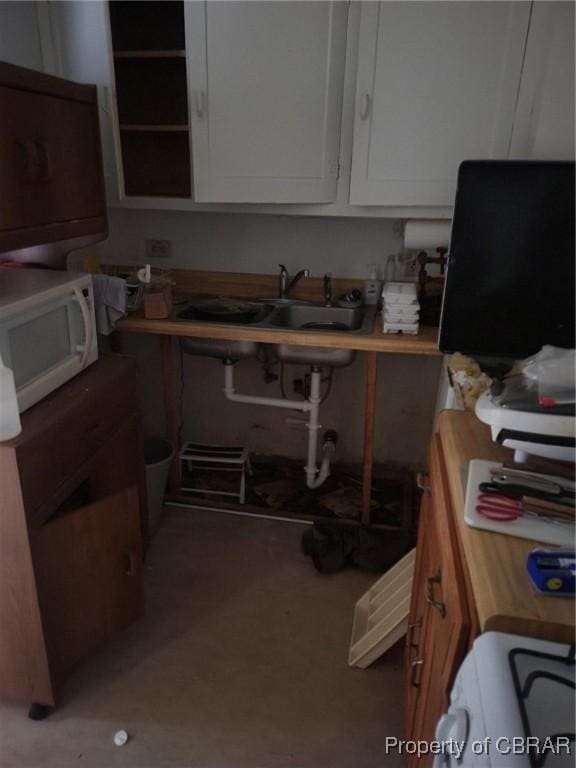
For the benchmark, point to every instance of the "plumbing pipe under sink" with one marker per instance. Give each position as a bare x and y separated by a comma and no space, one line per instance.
314,476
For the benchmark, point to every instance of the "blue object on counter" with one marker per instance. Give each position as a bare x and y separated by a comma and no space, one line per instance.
552,571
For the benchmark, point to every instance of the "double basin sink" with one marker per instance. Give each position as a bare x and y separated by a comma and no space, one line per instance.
276,314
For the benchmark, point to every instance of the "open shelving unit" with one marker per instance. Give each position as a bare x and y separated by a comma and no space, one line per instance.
151,91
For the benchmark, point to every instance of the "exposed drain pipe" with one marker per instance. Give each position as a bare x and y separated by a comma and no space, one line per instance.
314,477
274,402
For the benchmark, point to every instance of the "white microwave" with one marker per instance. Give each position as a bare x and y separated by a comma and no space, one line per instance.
47,329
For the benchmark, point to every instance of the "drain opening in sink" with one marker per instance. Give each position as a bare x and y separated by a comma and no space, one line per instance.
328,326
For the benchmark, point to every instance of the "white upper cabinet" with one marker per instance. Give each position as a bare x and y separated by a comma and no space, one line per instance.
437,84
266,81
544,125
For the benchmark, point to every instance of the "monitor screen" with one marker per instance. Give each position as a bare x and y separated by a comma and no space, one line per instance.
510,281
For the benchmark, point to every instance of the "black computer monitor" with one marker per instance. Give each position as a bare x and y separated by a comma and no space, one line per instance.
510,280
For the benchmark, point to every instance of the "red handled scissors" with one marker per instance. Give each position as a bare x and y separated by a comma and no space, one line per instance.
494,506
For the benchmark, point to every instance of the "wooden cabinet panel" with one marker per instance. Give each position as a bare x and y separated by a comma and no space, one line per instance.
436,84
24,666
418,619
50,160
88,572
70,568
84,417
439,597
266,82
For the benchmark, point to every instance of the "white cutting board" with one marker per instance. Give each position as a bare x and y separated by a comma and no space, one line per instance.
543,531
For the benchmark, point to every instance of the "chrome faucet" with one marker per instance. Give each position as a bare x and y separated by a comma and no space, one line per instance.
285,285
327,290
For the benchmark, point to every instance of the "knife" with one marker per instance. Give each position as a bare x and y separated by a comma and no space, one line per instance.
518,490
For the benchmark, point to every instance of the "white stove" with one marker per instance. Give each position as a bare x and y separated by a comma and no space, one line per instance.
511,706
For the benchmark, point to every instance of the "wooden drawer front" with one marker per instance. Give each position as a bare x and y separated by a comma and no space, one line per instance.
441,599
415,662
62,444
89,575
446,586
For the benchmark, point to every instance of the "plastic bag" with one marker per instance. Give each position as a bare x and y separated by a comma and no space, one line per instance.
551,372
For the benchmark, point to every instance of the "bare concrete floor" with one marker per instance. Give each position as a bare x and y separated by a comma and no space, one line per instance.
240,662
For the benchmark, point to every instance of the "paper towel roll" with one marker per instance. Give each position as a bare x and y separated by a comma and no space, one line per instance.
420,234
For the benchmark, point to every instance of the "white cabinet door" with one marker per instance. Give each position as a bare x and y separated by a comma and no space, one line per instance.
544,124
265,83
437,84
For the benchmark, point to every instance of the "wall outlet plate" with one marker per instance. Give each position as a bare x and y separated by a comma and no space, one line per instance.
410,266
158,249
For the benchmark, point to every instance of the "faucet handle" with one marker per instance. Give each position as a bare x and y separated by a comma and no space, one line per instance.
282,268
328,289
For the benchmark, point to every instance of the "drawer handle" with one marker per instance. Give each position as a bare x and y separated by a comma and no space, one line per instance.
423,482
439,605
414,667
43,161
411,631
29,160
365,107
130,564
200,102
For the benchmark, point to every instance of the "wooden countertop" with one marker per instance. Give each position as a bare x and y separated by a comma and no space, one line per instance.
505,600
422,344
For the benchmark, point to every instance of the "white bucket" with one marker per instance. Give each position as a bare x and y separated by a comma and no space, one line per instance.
158,454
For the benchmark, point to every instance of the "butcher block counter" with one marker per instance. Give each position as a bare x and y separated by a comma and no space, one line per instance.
494,564
190,283
424,343
466,581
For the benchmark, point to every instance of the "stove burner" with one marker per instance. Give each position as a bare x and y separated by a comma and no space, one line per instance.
523,692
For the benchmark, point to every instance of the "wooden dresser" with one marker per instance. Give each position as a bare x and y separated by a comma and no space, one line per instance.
467,581
72,496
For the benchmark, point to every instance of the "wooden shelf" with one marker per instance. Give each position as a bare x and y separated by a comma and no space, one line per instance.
147,26
156,128
149,54
150,70
151,90
156,163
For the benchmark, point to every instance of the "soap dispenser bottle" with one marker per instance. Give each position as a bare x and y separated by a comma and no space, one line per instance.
372,286
9,415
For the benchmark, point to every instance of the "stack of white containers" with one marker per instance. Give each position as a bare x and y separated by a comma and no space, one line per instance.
400,308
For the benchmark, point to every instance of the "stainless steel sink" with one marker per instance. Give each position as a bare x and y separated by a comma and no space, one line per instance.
317,318
288,314
221,349
327,356
296,316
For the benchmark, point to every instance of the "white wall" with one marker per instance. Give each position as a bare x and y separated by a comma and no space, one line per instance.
254,243
20,35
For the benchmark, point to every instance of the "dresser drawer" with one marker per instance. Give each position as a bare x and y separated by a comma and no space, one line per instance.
82,416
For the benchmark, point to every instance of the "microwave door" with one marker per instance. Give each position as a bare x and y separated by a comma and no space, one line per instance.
47,345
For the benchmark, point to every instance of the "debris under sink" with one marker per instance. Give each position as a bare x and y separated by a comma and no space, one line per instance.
277,487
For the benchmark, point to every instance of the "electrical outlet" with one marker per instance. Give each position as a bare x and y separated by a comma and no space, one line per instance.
410,266
158,249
